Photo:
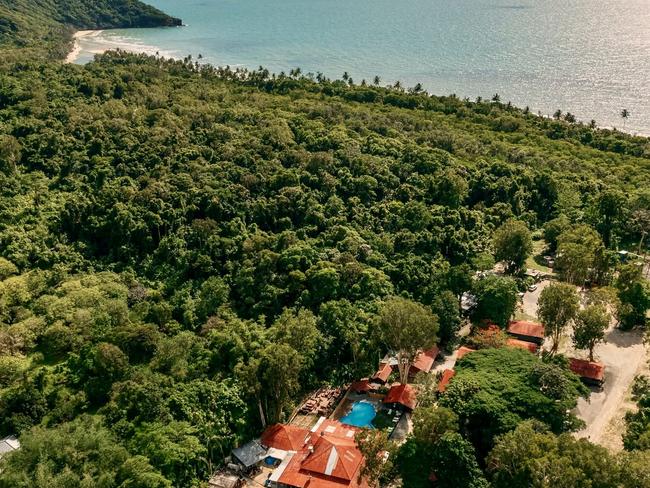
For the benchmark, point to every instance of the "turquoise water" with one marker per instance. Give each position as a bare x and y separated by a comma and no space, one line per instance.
360,415
589,57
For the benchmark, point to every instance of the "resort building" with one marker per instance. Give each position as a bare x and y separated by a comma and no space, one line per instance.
401,397
326,456
383,373
527,331
424,362
590,372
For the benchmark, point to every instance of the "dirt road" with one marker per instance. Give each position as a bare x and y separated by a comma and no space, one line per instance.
624,354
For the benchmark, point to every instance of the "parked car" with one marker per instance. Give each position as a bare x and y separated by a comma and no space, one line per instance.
532,288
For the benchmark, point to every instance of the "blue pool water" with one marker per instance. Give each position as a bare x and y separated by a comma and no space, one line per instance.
361,415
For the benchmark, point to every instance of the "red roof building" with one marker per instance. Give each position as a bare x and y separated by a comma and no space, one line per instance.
527,331
382,375
529,346
446,377
590,372
424,362
401,396
361,386
285,437
329,458
462,351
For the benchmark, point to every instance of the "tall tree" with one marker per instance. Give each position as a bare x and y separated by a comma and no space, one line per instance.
532,456
558,306
406,328
496,300
578,252
590,326
513,244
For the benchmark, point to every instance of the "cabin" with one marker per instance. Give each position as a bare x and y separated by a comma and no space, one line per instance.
445,379
590,372
528,346
424,362
527,331
401,397
382,374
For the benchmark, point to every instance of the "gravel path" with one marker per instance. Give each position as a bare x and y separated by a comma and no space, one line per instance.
624,354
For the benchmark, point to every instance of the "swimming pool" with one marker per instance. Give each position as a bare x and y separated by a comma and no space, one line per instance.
360,415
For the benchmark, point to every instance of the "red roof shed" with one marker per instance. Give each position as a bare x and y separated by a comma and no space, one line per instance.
530,331
529,346
589,371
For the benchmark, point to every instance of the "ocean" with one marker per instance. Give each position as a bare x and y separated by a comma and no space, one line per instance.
587,57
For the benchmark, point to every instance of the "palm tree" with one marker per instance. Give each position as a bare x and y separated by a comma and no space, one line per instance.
557,114
496,98
625,114
592,124
376,80
346,75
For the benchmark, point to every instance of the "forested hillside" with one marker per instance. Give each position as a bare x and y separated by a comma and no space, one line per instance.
44,27
183,246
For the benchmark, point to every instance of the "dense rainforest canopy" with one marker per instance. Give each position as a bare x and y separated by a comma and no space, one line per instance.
185,248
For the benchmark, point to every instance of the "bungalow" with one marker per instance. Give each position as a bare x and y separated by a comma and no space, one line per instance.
527,331
424,361
328,458
590,372
382,374
528,346
446,377
462,351
401,397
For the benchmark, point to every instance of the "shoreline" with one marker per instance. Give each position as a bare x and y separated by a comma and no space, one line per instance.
77,50
76,45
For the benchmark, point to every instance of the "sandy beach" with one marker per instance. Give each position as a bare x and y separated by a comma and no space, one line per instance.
76,48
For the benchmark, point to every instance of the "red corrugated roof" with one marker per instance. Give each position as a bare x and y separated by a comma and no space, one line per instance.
383,373
462,351
285,437
402,394
334,456
587,369
531,329
425,360
530,346
328,459
361,386
447,375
